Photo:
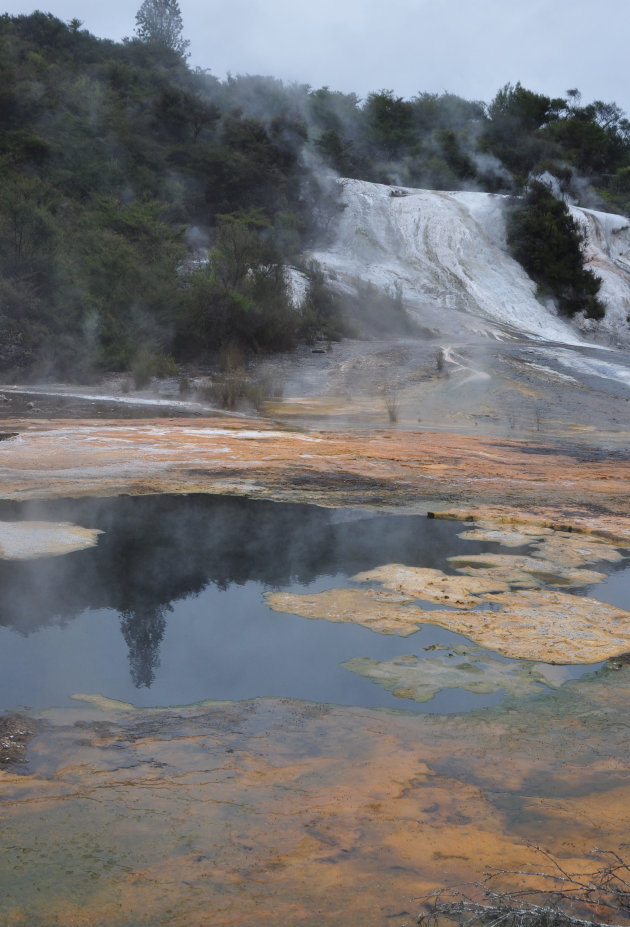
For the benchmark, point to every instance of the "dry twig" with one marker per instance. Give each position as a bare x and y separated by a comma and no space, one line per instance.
573,900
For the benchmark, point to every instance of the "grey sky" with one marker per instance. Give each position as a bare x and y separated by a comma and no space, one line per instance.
468,47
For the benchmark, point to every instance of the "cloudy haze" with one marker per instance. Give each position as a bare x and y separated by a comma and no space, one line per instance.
464,47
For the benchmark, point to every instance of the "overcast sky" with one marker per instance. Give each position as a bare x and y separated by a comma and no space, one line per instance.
467,47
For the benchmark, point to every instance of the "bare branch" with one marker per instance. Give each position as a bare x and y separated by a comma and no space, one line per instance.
568,903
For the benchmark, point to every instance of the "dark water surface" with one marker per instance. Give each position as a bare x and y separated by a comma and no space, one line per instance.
168,609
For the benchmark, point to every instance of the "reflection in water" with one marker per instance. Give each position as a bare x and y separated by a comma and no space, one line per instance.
206,562
143,630
158,549
272,810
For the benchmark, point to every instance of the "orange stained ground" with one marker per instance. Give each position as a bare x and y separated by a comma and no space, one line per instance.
278,812
275,812
71,458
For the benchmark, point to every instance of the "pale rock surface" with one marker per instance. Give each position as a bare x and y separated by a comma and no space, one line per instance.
446,253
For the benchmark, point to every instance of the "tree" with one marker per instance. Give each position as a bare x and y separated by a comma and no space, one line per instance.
161,21
546,240
523,108
390,122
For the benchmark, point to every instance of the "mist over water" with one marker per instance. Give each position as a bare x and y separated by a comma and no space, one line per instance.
168,608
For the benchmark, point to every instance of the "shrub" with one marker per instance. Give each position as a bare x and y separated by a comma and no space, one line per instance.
546,240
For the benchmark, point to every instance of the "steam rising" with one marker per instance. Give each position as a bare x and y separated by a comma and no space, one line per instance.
445,253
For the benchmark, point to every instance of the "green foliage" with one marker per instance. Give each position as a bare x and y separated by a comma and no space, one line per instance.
622,180
389,123
332,110
524,128
523,109
323,314
106,152
454,157
161,21
615,190
514,131
338,152
241,297
148,364
546,240
109,151
427,141
594,138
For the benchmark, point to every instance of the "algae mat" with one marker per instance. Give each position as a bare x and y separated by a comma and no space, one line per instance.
467,668
234,455
508,603
276,812
534,624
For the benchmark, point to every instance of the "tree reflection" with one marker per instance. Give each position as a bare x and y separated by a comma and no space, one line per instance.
156,550
143,630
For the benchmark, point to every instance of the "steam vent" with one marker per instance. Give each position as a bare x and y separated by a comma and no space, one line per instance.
314,497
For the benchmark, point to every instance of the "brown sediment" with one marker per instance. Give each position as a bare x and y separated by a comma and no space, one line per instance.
525,572
539,624
370,608
433,585
545,625
467,668
281,812
586,517
15,732
560,547
479,474
502,601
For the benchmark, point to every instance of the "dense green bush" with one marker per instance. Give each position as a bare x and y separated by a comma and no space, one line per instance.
112,153
547,241
241,296
107,153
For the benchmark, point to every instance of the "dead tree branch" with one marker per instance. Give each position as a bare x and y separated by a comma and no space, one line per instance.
572,900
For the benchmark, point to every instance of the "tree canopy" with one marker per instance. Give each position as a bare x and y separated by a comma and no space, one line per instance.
547,241
161,21
117,160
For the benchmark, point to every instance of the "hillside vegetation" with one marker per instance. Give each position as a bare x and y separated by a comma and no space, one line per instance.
119,164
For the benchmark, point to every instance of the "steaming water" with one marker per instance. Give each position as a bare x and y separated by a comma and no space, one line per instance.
168,608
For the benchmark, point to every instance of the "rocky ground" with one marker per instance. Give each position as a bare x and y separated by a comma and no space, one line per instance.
386,467
515,388
277,812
